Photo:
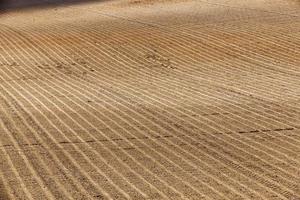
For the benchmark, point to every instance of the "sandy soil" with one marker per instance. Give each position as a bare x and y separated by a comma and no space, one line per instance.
145,99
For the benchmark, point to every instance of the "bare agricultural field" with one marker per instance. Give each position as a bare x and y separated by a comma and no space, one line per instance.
145,99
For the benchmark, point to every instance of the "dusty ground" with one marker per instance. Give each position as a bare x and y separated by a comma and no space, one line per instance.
146,99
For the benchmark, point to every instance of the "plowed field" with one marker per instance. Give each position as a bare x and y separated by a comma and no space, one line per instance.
151,99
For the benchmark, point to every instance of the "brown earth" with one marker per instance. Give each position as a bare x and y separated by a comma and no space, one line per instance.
127,99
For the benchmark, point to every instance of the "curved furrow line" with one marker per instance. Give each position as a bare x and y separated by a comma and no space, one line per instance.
232,31
161,114
15,128
151,158
238,22
204,80
82,127
61,147
6,191
48,149
263,129
279,34
269,51
226,66
27,124
253,9
271,57
234,48
241,119
282,38
108,166
242,54
24,85
41,182
40,159
53,156
282,30
245,29
285,164
12,167
206,55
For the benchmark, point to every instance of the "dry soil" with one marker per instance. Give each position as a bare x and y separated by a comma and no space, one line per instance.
151,99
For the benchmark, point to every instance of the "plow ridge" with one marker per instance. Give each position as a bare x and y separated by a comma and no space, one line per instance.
126,100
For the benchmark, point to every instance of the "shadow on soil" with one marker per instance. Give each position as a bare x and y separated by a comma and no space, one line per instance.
8,5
